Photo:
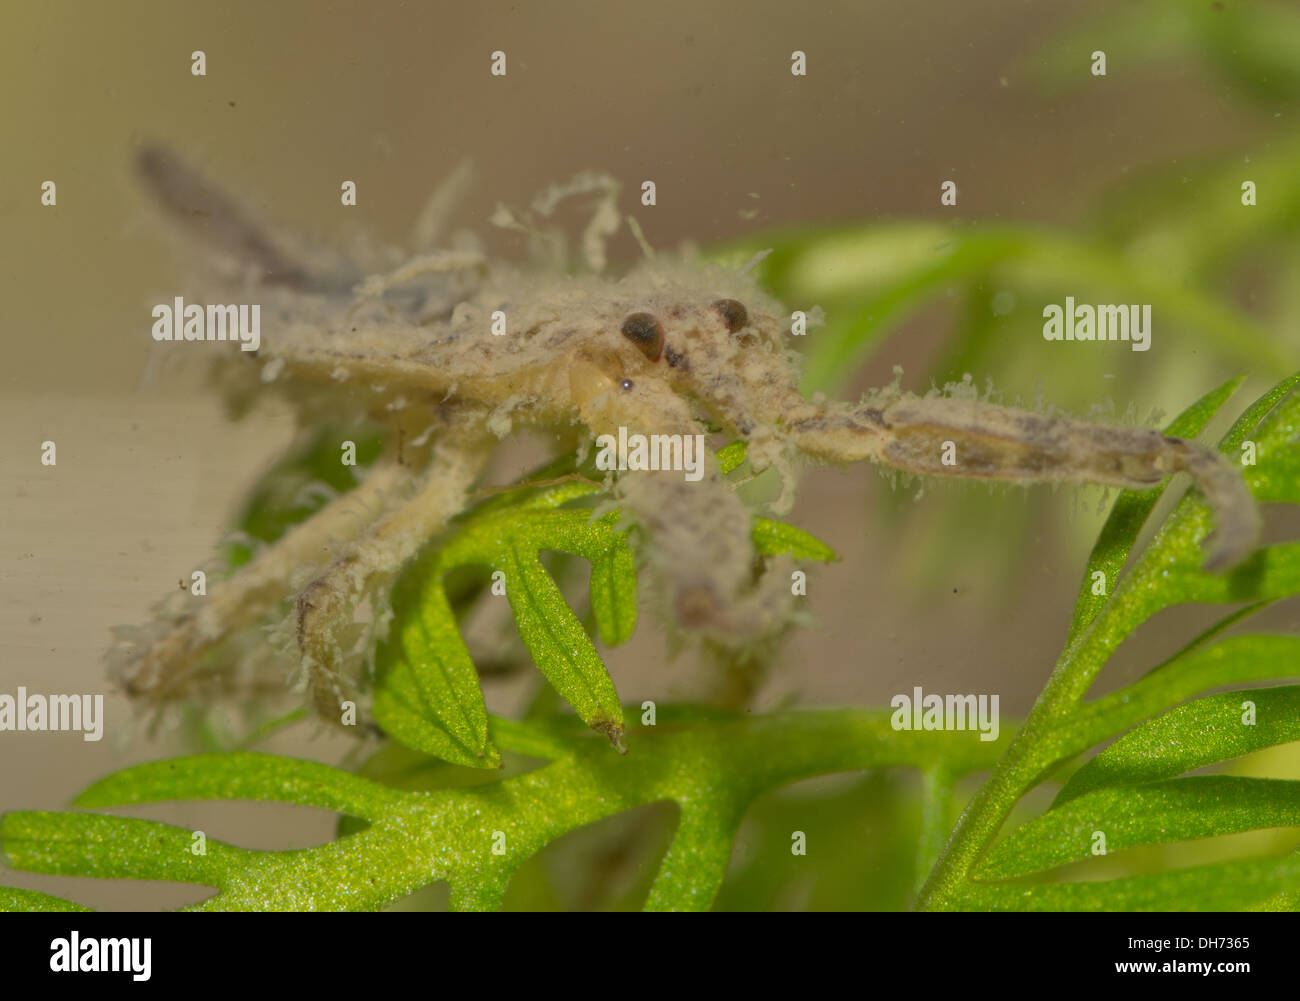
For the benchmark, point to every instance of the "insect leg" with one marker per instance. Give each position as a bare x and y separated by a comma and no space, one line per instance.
941,436
159,666
438,262
701,547
325,607
218,223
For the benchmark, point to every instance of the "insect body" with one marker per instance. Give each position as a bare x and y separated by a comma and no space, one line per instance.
667,349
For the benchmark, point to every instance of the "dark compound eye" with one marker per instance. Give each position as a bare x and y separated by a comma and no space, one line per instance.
643,330
626,384
733,313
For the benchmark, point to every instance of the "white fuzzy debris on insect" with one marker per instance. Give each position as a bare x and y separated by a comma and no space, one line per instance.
673,347
272,369
758,258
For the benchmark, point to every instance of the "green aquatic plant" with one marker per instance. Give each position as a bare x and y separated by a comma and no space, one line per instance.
400,834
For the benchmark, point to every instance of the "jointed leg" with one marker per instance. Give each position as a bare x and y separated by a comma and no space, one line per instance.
159,667
940,436
436,262
326,606
700,543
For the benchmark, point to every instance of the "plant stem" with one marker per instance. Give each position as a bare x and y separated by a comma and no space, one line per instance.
269,727
1033,750
936,809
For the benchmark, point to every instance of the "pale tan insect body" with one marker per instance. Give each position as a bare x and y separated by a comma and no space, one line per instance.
669,348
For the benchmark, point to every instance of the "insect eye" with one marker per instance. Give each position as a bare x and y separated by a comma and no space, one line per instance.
733,313
643,330
626,384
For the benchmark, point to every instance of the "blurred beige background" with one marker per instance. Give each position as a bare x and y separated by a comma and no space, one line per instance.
696,96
